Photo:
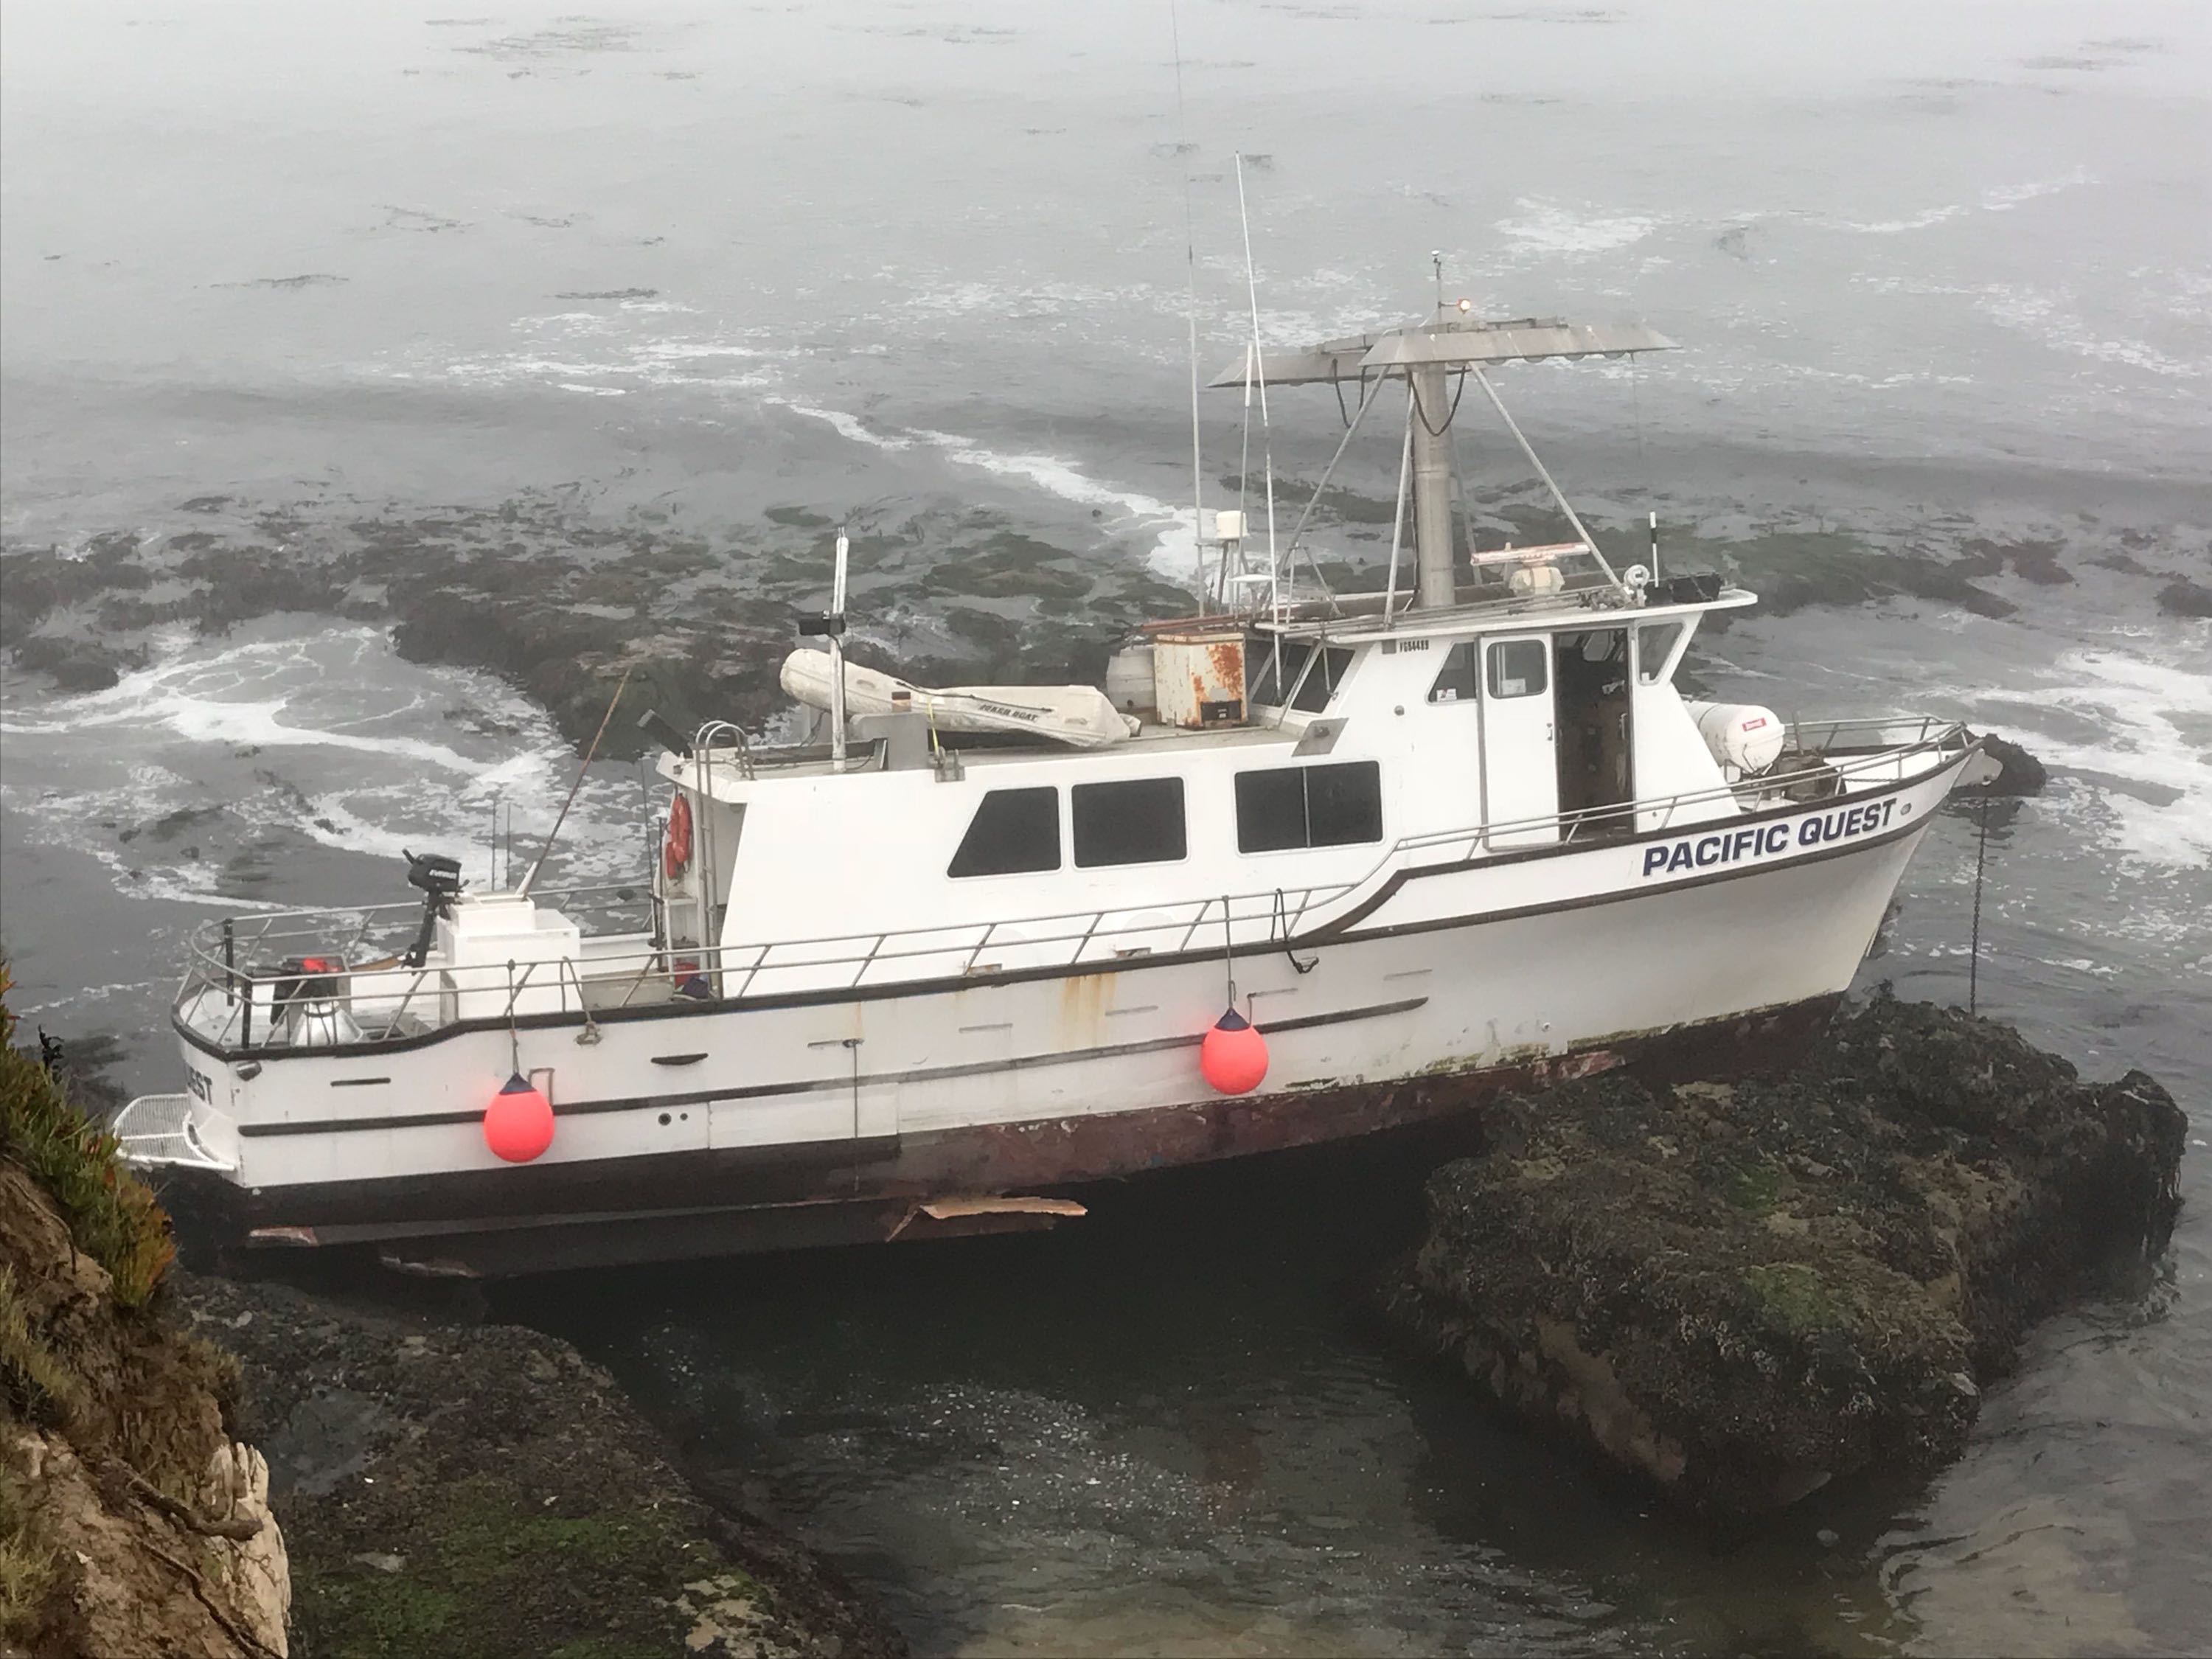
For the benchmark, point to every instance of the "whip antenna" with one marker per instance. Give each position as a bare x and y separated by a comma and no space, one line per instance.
1190,315
553,835
1260,378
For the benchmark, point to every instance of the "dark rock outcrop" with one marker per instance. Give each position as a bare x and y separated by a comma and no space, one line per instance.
2021,774
2183,597
486,1491
1746,1290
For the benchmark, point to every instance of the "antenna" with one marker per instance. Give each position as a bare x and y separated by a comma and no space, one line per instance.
1190,315
1436,259
836,620
1260,375
554,834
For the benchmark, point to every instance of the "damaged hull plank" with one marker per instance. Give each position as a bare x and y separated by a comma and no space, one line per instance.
553,1217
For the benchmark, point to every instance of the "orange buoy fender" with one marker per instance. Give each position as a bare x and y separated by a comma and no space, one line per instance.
1233,1057
517,1125
676,845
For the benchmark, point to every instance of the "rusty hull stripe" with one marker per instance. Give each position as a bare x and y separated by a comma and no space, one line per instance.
769,1197
817,1085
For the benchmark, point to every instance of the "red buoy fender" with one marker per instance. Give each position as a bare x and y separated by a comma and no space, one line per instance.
1233,1057
676,845
517,1125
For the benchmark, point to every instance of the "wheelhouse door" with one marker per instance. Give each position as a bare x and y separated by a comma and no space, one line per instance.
1520,763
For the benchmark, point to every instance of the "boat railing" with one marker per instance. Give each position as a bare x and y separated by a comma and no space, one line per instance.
1819,759
351,992
322,997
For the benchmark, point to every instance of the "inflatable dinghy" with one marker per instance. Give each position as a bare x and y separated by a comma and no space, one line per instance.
1080,716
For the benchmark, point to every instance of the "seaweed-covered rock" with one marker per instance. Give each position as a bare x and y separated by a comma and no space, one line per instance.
1746,1291
2183,597
2020,774
484,1490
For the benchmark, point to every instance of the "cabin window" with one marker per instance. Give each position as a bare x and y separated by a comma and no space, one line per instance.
1014,832
1313,690
1139,821
1298,807
1457,681
1655,643
1518,668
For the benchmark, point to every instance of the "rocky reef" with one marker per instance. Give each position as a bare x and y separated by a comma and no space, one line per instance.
474,1491
484,1490
559,599
132,1522
1745,1292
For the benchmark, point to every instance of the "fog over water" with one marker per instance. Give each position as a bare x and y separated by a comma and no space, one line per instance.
1942,274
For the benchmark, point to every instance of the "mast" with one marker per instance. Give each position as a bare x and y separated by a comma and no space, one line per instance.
1435,587
838,655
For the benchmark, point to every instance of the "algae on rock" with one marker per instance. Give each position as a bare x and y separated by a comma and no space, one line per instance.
1746,1291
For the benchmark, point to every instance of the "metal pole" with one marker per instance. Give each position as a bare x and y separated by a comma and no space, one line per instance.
1398,515
1435,587
1298,530
1588,540
1259,374
1981,857
553,835
837,656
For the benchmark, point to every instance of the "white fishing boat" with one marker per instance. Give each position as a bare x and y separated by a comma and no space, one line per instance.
1310,865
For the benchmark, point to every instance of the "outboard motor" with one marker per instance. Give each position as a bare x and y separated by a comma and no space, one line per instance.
439,878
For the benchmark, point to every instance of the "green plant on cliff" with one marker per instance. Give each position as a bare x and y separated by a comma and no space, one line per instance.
111,1215
103,1378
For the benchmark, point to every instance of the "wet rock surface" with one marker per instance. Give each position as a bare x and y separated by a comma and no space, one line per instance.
2020,773
2183,597
1746,1291
559,604
560,600
486,1491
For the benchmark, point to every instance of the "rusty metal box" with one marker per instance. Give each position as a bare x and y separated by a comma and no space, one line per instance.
1198,676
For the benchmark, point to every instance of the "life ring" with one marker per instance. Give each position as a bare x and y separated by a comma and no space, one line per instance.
676,845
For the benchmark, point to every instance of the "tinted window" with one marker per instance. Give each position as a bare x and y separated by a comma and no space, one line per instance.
1313,691
1654,642
1344,804
1456,683
1270,810
1261,652
1517,668
1014,831
1321,680
1308,806
1139,822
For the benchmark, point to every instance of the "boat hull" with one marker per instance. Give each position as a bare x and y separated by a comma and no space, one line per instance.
835,1118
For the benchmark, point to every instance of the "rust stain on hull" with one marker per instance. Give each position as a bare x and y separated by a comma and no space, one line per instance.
534,1217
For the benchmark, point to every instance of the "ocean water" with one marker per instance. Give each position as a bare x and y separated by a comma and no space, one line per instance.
1942,274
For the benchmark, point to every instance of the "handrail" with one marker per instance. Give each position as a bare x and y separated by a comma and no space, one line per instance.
845,961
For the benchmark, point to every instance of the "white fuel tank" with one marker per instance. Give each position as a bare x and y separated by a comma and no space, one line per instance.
1743,737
